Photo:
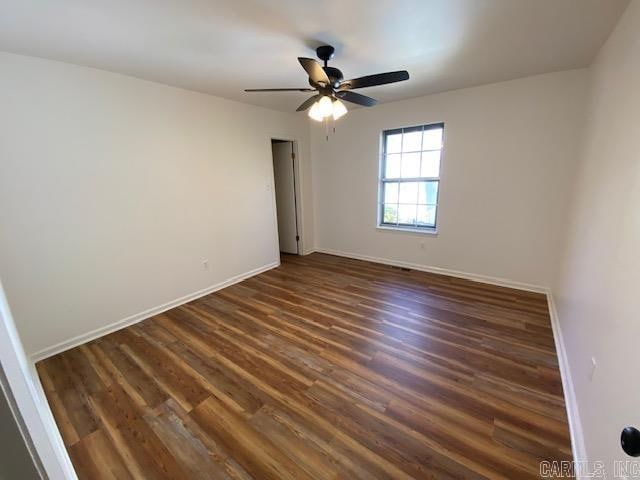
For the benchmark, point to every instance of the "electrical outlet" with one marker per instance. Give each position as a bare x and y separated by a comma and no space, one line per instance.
421,245
205,264
594,364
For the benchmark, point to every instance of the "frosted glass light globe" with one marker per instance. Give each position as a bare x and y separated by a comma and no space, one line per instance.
314,112
338,109
326,108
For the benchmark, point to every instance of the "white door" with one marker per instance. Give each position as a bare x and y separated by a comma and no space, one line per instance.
285,187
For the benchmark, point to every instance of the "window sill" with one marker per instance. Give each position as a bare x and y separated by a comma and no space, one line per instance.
423,231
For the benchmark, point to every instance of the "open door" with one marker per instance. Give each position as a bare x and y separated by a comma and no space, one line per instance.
285,189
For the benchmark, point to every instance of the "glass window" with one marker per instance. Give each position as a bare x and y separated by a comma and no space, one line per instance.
410,178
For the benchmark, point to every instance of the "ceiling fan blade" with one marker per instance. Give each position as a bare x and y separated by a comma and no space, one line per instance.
307,103
377,79
315,71
354,97
280,90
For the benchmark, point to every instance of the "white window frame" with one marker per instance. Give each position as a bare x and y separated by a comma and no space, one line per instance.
431,229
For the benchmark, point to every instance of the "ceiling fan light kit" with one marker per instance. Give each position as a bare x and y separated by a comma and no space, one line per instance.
326,108
331,87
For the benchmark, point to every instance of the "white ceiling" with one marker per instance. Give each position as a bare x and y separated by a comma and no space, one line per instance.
223,46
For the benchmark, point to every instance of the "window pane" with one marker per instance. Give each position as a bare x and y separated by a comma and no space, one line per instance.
394,143
407,214
390,214
390,192
432,139
410,177
409,192
410,165
426,215
412,141
392,166
428,193
430,164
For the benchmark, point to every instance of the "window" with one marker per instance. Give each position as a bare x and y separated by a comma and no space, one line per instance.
410,177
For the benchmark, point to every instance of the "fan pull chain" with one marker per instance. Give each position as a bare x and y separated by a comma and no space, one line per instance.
326,121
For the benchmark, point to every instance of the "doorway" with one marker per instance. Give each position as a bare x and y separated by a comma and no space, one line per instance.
286,193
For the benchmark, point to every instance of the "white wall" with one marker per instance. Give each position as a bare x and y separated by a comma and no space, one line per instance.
510,150
113,191
597,288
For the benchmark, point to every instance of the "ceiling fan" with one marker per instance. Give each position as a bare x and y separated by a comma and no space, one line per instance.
331,86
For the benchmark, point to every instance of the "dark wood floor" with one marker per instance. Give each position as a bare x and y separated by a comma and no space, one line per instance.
322,368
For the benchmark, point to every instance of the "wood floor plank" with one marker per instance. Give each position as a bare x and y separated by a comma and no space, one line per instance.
325,367
252,449
95,457
140,448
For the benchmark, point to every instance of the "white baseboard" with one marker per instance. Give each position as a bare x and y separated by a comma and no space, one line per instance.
575,426
573,416
501,282
138,317
571,403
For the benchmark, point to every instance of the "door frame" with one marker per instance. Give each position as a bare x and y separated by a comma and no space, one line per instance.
32,412
297,178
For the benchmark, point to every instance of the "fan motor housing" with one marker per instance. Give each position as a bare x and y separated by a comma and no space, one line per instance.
334,75
335,78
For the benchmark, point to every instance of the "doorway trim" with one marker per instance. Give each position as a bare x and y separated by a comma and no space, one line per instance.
32,412
298,188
